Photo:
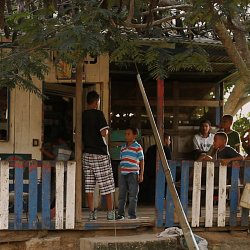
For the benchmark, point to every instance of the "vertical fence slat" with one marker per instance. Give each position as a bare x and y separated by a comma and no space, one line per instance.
234,193
245,211
222,196
184,185
159,195
46,179
70,196
18,204
169,199
33,195
209,194
4,195
196,194
59,194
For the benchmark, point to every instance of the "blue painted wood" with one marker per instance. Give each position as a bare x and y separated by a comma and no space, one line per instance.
245,211
46,182
184,184
33,195
159,194
234,193
18,202
169,199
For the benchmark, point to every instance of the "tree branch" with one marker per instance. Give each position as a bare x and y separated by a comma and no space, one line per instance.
180,6
232,104
232,50
157,22
234,110
241,103
131,11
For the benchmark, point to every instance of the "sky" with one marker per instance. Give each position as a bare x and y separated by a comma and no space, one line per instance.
245,109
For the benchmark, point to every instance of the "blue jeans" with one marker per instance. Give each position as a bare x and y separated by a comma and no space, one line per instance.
128,185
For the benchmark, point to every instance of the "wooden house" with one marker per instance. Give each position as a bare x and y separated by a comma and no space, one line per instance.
182,101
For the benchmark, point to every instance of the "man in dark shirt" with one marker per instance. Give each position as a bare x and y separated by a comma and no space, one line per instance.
150,169
96,160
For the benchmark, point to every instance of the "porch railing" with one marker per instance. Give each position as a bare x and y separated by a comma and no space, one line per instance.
209,193
28,194
210,197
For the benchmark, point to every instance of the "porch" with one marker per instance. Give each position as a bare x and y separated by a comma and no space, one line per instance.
197,183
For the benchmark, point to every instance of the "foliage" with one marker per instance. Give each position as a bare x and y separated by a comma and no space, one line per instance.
77,28
242,123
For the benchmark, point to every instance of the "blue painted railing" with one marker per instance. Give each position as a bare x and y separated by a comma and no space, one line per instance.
38,192
191,186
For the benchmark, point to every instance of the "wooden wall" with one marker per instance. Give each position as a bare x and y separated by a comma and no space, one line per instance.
26,109
25,123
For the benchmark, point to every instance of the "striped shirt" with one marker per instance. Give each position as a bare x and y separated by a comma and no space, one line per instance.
130,158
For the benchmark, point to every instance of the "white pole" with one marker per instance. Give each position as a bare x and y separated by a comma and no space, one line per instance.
188,234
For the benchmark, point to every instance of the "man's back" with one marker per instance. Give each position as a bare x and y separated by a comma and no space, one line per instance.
233,139
93,122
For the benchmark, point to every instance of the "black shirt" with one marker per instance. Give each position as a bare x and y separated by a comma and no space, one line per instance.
226,153
93,122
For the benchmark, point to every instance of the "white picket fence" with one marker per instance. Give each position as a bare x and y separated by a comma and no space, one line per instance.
64,216
208,178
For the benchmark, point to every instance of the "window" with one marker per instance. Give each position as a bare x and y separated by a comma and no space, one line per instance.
4,114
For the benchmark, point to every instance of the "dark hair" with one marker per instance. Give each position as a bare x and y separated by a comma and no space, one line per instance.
134,130
205,121
92,97
222,135
228,117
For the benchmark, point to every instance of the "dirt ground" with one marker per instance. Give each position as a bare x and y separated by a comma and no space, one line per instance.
70,240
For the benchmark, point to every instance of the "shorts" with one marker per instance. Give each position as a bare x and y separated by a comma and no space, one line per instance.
98,169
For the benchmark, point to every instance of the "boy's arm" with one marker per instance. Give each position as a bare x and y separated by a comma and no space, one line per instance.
226,161
140,176
104,132
237,145
237,148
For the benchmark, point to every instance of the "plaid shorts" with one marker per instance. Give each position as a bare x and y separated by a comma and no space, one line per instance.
98,169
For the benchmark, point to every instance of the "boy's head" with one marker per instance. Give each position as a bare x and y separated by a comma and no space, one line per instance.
205,127
93,99
227,122
166,139
131,134
220,140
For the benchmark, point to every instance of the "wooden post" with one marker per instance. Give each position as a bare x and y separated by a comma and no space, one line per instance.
188,234
160,124
78,142
160,107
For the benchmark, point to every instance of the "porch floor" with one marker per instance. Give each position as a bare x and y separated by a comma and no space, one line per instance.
145,218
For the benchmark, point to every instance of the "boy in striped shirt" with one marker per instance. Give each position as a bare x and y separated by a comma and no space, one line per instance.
132,170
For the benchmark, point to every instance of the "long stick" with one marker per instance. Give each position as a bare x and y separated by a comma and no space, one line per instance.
188,234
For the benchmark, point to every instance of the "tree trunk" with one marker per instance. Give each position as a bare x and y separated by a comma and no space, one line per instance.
232,105
2,7
241,65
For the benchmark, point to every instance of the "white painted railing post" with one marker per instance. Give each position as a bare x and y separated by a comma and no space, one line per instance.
4,195
70,195
196,194
209,194
59,194
222,196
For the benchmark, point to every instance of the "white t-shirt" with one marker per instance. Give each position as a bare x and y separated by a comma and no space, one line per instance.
202,143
